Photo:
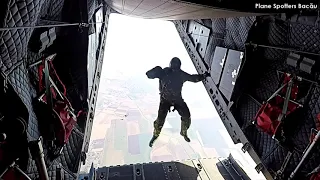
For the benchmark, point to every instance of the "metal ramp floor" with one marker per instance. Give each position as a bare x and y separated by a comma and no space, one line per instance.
202,169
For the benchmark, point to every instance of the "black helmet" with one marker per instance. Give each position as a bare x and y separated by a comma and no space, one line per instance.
175,63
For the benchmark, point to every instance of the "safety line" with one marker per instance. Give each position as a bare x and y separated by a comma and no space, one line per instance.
281,48
52,25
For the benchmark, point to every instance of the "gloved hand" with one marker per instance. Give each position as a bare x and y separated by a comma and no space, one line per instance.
206,74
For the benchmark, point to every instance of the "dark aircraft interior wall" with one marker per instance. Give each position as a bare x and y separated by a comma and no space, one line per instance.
257,84
19,49
258,79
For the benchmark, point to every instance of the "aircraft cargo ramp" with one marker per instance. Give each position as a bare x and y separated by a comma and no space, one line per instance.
204,169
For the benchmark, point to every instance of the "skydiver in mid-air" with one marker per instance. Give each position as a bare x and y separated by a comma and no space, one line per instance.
171,80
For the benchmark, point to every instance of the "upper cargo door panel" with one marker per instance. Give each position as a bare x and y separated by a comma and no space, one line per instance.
217,64
230,72
200,36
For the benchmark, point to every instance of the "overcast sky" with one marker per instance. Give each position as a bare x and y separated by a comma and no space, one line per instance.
138,45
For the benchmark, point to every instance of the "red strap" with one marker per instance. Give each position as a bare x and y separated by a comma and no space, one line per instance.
318,124
40,74
81,112
315,176
63,86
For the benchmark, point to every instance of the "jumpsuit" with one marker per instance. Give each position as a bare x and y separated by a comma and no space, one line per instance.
170,86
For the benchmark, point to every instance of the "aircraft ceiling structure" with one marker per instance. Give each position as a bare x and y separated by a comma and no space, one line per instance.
172,10
22,46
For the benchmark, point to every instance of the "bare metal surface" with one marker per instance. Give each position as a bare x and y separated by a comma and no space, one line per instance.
200,36
204,169
169,10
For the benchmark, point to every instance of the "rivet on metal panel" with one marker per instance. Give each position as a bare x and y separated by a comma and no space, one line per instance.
102,176
223,116
91,116
138,172
217,102
199,166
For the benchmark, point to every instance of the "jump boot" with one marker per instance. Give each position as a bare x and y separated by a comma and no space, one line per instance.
185,124
156,133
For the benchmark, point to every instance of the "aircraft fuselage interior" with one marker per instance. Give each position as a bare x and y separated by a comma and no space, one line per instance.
264,65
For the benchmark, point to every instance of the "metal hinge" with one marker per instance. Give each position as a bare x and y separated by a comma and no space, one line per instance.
229,106
245,147
83,158
91,116
259,167
279,174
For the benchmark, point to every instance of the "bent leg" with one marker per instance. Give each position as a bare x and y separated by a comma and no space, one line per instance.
162,114
158,123
184,112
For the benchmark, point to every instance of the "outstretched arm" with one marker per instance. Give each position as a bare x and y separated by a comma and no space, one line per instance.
194,77
155,72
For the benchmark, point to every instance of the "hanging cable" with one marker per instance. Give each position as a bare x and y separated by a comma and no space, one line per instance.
49,26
